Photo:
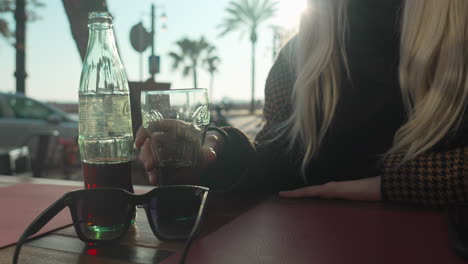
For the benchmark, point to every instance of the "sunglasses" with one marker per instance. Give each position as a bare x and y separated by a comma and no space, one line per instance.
105,214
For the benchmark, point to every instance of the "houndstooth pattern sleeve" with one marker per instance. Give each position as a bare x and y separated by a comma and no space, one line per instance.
433,179
278,90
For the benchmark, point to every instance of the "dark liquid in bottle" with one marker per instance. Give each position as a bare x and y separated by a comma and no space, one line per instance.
117,175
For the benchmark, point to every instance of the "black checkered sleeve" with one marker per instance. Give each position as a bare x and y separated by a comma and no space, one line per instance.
434,178
278,89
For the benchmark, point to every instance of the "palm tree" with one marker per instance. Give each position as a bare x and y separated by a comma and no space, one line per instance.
5,7
190,53
8,7
248,15
211,63
4,31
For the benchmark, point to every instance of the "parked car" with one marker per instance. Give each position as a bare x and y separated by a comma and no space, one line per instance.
22,117
23,120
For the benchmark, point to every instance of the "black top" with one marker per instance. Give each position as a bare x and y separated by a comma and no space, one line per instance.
368,114
370,109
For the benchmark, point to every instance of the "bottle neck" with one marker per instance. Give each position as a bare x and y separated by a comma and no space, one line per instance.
103,71
102,38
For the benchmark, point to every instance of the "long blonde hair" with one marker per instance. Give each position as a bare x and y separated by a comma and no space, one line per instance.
433,73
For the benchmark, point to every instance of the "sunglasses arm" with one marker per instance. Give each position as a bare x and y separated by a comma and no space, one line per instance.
38,223
195,230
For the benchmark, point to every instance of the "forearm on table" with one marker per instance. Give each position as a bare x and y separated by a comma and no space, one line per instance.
434,178
232,163
244,167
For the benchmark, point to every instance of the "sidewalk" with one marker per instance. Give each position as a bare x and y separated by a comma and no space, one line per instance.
248,123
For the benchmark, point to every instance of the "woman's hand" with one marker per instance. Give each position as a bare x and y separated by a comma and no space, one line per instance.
213,145
362,190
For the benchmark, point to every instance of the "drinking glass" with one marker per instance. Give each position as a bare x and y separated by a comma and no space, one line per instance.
176,122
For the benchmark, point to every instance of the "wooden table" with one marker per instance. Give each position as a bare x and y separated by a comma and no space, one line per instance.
139,246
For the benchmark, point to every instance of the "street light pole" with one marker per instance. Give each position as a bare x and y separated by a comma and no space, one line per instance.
154,60
20,74
153,26
153,35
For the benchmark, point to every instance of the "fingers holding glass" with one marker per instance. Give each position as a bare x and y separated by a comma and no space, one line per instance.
140,137
175,123
177,153
176,143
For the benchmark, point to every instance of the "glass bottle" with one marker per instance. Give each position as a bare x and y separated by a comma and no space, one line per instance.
105,125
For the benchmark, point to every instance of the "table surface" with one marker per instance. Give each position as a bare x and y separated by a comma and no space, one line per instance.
139,245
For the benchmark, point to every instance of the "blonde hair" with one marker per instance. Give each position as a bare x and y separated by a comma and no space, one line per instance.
433,73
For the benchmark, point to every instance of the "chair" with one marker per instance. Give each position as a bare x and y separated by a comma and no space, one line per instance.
14,160
42,149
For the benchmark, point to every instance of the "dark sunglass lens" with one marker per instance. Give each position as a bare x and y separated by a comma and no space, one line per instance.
103,215
174,212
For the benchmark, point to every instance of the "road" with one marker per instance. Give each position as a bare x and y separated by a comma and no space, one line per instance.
250,124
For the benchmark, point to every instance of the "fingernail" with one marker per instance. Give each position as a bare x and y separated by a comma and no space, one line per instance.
211,153
209,156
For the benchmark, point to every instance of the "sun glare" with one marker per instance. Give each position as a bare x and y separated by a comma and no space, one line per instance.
289,13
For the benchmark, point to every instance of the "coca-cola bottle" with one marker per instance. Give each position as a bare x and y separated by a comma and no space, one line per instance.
105,125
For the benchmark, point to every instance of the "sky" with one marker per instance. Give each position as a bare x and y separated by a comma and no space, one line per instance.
53,64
